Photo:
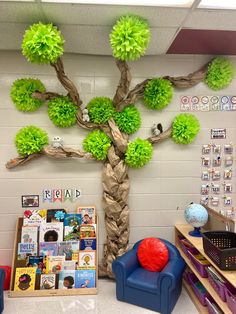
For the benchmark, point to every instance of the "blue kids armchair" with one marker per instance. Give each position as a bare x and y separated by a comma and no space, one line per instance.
157,291
2,277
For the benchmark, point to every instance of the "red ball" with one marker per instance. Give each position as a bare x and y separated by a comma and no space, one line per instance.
153,254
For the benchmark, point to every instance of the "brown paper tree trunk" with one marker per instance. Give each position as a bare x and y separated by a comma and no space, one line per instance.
115,181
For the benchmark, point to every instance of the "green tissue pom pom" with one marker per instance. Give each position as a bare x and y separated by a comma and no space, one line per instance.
42,43
130,37
128,120
97,143
158,93
138,153
220,73
62,111
21,92
185,127
30,140
100,109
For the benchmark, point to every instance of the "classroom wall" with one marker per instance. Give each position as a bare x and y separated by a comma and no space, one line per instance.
159,192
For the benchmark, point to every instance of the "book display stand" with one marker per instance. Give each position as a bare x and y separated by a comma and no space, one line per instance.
59,289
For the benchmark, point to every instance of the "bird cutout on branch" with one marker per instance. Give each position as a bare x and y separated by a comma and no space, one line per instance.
110,121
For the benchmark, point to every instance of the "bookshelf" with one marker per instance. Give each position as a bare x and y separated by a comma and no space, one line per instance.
43,293
228,275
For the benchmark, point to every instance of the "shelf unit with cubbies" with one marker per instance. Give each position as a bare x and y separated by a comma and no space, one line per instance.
230,276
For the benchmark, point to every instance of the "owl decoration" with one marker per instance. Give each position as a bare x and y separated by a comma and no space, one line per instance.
57,142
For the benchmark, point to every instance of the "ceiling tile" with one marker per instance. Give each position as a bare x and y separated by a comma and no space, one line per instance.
211,19
107,14
95,39
20,12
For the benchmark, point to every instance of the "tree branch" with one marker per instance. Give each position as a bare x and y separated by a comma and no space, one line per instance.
124,83
179,82
119,139
65,152
19,161
66,82
49,151
44,96
161,137
191,79
135,94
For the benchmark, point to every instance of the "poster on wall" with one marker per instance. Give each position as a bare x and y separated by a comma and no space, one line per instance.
218,133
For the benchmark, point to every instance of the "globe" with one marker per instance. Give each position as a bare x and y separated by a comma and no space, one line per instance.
197,216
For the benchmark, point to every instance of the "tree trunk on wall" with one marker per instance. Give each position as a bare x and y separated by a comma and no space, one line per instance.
116,185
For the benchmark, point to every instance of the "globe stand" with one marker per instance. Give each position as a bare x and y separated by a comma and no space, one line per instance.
196,232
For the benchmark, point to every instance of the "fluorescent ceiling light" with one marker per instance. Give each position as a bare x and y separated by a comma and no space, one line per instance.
216,4
162,3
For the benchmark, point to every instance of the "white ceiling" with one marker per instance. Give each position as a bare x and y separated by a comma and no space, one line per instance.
86,27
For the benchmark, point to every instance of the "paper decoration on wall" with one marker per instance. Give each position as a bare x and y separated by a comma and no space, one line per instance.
206,149
216,149
215,188
228,161
215,201
228,148
215,175
228,174
60,195
206,175
227,187
216,161
206,161
227,200
205,189
30,200
204,200
218,134
208,103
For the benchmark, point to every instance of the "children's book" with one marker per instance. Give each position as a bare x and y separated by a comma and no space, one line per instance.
29,234
69,265
54,264
69,249
34,217
200,258
216,275
47,281
67,279
88,231
88,244
48,248
55,215
25,279
39,262
72,224
85,278
26,249
51,232
87,259
88,214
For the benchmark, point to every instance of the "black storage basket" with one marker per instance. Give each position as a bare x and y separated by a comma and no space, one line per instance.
220,246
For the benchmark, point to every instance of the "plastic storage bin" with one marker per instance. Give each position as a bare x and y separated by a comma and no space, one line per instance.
201,268
198,288
231,298
186,246
212,307
220,246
